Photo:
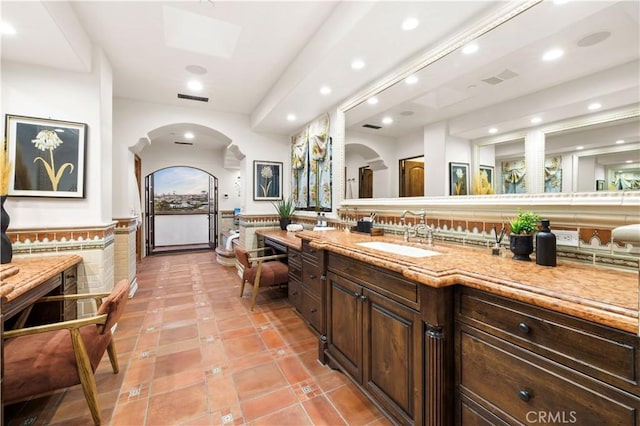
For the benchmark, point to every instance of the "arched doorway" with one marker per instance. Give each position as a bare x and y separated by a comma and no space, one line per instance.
181,210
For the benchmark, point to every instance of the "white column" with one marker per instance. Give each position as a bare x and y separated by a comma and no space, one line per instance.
534,146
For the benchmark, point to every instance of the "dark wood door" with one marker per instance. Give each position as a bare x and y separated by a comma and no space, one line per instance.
344,334
137,167
411,178
365,183
392,335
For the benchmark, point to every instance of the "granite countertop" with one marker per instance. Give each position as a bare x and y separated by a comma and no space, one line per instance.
33,271
289,239
602,295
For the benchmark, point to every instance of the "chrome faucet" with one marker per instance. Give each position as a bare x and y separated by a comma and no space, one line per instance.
420,230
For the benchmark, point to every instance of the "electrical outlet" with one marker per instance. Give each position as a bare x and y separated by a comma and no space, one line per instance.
566,238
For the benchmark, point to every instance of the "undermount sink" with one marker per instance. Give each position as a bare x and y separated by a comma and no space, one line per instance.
398,249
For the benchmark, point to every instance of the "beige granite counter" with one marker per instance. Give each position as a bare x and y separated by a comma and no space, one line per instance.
289,239
33,271
597,294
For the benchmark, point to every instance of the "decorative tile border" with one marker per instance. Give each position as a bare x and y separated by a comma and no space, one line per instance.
31,241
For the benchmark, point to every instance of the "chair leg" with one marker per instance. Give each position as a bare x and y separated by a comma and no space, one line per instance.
242,287
85,372
256,286
113,356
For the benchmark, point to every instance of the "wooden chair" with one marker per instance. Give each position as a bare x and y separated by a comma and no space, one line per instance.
42,359
261,271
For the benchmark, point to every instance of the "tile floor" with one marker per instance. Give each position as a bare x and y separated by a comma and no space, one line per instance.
192,353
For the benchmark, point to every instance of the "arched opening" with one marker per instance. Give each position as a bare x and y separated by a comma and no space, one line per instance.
182,210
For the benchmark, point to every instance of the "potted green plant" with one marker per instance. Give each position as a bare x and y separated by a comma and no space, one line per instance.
523,227
285,209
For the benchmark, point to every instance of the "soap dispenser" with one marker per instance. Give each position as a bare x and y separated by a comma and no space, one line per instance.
545,245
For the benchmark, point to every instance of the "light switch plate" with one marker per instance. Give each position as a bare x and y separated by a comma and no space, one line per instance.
566,238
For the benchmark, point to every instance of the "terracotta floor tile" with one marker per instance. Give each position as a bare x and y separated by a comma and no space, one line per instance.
322,412
311,363
131,413
268,403
177,406
354,407
250,361
291,416
234,323
176,381
293,369
174,335
331,380
238,332
243,346
259,380
179,362
221,393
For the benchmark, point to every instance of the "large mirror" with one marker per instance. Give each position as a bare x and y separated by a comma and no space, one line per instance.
510,119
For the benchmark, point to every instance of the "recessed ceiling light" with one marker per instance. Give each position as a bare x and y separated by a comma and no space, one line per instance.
7,29
357,64
552,55
194,85
410,24
629,161
196,69
325,90
619,141
387,120
594,106
188,135
470,48
412,79
578,148
372,101
536,120
291,117
493,130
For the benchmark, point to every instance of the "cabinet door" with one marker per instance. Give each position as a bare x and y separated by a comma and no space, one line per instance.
392,334
344,334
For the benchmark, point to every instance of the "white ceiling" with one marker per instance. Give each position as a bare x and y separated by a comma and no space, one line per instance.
455,88
265,59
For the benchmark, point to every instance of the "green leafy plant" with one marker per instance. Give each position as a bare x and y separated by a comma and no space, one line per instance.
285,207
526,222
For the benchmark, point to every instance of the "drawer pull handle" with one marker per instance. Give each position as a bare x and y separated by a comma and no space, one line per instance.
524,327
313,277
363,297
295,293
312,250
356,295
313,311
524,395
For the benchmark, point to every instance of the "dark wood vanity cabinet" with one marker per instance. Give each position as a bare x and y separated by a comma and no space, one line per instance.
374,334
520,364
313,278
295,278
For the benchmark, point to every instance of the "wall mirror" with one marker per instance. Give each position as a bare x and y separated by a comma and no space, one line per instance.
482,107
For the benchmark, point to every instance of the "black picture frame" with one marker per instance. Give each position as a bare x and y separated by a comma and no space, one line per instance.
458,179
48,157
267,180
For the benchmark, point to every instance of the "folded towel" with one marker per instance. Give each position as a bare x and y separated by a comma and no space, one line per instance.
229,244
324,228
294,227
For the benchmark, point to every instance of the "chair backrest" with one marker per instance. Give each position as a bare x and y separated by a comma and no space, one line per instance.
243,257
113,305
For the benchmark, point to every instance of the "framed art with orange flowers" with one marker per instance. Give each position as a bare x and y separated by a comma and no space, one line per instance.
267,181
48,157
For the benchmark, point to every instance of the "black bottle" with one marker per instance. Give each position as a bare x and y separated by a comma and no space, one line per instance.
545,245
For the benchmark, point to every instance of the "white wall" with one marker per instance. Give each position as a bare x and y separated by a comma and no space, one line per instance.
42,92
133,120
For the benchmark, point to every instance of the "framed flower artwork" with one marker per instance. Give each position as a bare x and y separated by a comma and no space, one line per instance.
458,179
48,157
267,180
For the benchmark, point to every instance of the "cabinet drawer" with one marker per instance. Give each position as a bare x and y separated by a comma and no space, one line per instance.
312,277
294,257
295,271
294,289
608,354
385,282
312,310
308,250
516,385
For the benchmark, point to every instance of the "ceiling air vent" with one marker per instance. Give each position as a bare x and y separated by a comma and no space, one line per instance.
372,126
192,98
497,79
183,143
